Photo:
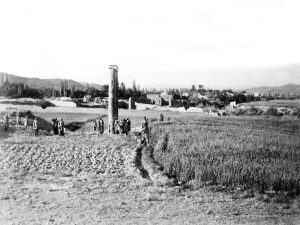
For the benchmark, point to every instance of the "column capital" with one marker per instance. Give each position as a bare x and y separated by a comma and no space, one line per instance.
114,67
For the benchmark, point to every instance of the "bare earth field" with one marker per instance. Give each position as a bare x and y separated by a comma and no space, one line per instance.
83,178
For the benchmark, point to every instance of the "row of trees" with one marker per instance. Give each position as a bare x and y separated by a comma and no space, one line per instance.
21,90
18,90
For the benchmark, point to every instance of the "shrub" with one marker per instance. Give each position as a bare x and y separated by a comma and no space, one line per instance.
123,105
272,112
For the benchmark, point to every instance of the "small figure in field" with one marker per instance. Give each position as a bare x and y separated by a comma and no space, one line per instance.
35,126
61,127
26,122
95,125
6,121
161,118
101,126
117,127
55,126
121,129
128,124
18,120
145,131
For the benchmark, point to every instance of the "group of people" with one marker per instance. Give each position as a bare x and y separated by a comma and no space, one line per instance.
99,126
18,123
25,121
58,127
122,126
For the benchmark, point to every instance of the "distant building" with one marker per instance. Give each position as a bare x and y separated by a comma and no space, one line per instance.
200,96
229,94
100,100
233,104
257,94
87,98
155,99
161,99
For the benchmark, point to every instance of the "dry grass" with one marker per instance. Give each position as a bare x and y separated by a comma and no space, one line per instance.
278,103
256,153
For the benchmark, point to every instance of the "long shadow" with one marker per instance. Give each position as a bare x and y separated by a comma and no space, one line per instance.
76,125
139,164
73,126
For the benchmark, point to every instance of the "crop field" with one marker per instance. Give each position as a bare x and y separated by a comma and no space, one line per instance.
262,154
86,178
278,103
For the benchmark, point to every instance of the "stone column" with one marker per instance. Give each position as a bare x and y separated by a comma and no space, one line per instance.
170,102
112,98
131,103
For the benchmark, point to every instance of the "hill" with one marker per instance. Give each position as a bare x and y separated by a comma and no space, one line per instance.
97,86
45,83
284,89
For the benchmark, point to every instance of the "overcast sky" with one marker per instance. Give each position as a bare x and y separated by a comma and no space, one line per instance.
157,43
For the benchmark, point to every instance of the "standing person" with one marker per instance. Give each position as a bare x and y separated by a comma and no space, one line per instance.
125,126
121,129
61,127
161,118
6,121
95,125
26,122
128,124
18,120
98,126
35,127
54,126
117,127
101,126
145,131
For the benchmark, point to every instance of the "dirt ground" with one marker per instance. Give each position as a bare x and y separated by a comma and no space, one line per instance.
84,178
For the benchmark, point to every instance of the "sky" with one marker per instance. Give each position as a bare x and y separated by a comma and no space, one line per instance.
158,43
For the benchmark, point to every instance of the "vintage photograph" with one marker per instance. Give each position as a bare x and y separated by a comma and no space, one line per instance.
149,112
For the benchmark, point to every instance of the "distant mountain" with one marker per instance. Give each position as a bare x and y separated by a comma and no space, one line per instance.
284,89
46,83
97,86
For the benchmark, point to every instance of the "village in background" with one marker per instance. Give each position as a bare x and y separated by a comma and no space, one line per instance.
197,98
